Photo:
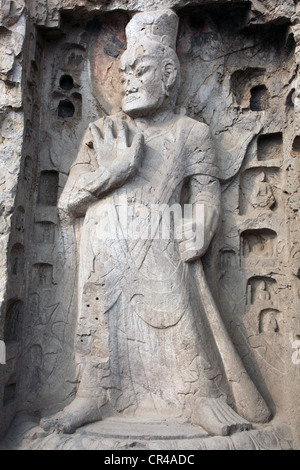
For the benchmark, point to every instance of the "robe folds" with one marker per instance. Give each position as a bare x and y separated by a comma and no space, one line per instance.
142,339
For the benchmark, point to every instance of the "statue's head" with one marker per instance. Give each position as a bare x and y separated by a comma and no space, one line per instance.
261,177
149,67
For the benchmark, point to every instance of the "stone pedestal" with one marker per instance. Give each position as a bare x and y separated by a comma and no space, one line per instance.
120,434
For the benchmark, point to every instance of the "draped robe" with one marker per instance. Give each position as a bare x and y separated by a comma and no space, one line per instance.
142,341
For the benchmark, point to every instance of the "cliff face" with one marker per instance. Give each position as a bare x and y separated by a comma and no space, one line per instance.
240,75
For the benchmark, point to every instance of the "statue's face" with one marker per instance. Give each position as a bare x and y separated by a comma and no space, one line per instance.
142,81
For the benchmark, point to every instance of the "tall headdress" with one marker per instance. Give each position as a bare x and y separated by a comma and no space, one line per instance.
160,26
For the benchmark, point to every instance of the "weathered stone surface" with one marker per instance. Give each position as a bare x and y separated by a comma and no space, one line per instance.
239,63
125,435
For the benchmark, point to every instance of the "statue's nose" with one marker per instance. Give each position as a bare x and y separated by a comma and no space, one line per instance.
131,86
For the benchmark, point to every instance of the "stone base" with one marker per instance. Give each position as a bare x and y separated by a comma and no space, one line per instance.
129,434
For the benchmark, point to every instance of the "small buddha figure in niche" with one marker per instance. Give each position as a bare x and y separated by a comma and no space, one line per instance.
262,196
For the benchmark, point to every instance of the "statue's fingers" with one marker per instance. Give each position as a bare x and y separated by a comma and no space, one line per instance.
185,235
123,135
137,142
108,129
189,255
96,133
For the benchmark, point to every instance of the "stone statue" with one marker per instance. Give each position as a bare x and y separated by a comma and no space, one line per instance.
262,292
262,197
150,341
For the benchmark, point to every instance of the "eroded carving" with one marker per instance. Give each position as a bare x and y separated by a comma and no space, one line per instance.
259,100
262,196
266,326
259,243
270,147
261,290
243,82
140,353
239,66
228,260
17,260
268,322
296,145
13,320
48,188
256,189
20,219
42,275
45,232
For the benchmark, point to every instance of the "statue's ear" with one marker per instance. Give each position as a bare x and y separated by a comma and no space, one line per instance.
169,74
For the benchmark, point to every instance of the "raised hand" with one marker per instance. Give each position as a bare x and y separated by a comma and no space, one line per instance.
115,152
117,162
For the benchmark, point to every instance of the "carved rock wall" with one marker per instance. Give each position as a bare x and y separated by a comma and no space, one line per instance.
12,33
240,68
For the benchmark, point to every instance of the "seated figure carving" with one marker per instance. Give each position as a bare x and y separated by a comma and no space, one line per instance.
262,197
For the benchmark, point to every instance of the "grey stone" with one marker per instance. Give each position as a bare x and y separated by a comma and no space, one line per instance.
205,355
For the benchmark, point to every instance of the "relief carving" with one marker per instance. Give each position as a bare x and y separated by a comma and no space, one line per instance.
138,353
149,224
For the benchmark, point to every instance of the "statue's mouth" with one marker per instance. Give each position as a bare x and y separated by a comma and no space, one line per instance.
131,98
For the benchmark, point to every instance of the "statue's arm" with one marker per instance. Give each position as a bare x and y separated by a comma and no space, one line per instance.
90,179
199,231
205,190
84,186
204,195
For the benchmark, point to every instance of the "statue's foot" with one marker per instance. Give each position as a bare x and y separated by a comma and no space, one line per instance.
81,411
217,417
